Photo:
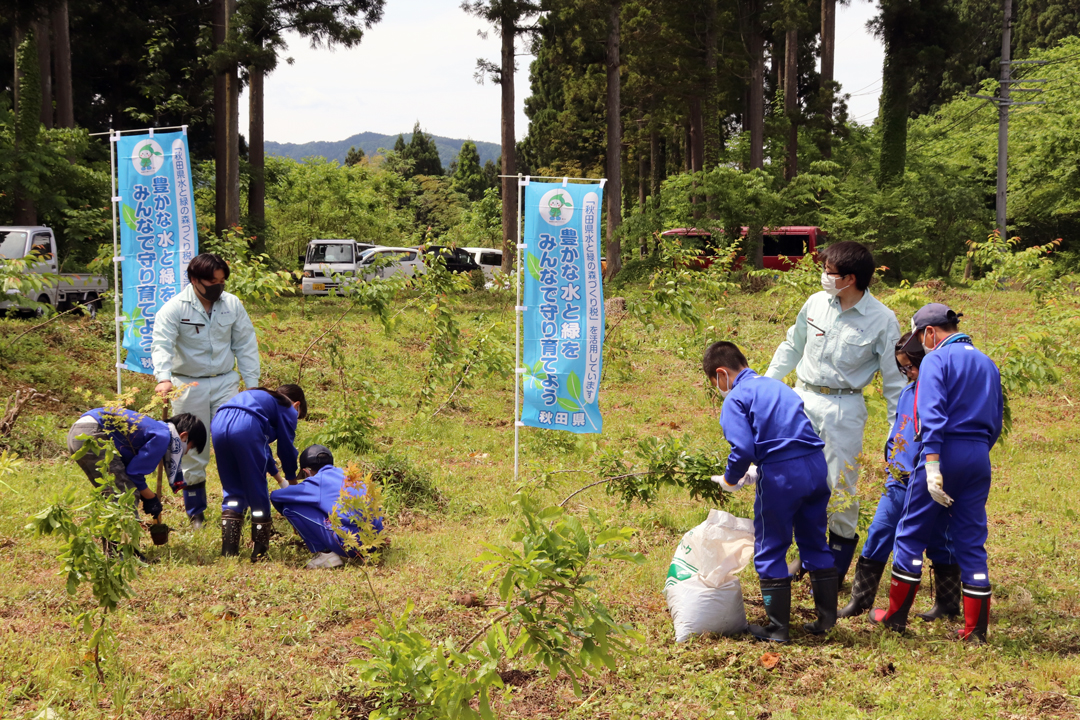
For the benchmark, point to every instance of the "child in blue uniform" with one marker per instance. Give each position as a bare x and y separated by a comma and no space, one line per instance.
901,456
308,505
141,443
764,422
242,431
958,417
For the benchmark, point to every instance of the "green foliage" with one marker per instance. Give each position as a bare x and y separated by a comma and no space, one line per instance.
422,154
21,286
100,545
660,463
468,178
360,504
251,277
406,485
366,202
548,616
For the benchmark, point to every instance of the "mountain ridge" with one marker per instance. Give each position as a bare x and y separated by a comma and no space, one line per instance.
370,142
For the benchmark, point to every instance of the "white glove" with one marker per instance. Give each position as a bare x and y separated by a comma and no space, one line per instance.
753,474
934,483
719,480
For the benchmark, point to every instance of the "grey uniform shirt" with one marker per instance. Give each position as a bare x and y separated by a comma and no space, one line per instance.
190,343
842,349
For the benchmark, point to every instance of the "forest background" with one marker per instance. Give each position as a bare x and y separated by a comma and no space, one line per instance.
718,113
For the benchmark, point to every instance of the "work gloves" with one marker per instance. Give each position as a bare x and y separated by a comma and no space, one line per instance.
749,479
152,506
934,483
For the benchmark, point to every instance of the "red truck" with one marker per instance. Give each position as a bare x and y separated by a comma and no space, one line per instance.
787,241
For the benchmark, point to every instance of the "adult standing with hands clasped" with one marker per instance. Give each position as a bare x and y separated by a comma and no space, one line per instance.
841,338
199,336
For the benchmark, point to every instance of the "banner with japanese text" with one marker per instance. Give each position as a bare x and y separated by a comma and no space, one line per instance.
564,307
158,234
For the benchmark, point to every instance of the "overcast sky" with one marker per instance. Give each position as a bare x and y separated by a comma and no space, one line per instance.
418,64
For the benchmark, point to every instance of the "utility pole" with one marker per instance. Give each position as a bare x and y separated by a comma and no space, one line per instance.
1003,102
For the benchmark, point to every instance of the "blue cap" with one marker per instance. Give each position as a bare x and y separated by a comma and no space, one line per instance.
934,314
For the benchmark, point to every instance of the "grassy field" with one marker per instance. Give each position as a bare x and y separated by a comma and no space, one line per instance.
212,637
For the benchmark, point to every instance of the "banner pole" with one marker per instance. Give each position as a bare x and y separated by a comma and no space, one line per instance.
517,343
116,259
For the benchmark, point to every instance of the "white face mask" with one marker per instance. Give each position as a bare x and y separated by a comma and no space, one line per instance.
828,284
723,393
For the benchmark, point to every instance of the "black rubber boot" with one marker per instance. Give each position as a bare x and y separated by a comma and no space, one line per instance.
260,535
976,613
777,596
232,523
826,585
864,587
843,550
902,591
946,594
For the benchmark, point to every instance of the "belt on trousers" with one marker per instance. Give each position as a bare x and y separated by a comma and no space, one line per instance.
205,377
822,390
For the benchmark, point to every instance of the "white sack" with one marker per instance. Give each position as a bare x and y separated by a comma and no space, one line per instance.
702,590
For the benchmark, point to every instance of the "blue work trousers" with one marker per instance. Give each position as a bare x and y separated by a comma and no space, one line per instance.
881,535
312,525
194,499
792,496
243,461
965,469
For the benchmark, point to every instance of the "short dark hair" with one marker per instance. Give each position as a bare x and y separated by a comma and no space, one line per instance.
914,354
947,327
193,426
851,258
723,355
205,266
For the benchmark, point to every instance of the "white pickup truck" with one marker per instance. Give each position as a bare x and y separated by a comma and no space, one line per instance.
67,289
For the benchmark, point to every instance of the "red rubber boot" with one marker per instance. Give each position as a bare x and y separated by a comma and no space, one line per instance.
902,591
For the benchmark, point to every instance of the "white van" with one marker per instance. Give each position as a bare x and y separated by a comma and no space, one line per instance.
403,261
327,263
489,259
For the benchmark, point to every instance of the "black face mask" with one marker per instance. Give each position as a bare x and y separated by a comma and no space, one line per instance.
213,292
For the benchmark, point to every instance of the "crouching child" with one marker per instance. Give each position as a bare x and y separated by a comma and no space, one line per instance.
764,423
140,443
309,505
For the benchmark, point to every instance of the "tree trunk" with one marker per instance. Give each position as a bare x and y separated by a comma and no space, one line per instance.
712,142
508,29
233,84
27,95
257,182
893,108
756,104
697,136
643,176
654,163
688,164
44,53
791,101
221,123
65,107
614,143
828,59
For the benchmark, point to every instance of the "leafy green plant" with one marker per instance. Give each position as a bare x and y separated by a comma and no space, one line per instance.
548,615
251,276
657,464
100,548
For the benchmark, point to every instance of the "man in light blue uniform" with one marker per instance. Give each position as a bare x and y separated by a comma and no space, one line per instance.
842,336
199,336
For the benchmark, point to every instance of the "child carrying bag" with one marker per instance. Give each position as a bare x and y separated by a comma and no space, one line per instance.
702,591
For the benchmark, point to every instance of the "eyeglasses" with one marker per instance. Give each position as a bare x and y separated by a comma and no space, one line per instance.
906,369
